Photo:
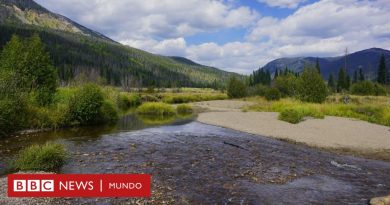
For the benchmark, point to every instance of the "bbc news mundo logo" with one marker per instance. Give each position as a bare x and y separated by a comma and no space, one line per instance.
33,186
79,185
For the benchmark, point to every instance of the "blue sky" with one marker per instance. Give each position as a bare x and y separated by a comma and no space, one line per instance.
235,35
238,34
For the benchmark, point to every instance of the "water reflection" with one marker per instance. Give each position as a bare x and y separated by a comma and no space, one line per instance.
10,146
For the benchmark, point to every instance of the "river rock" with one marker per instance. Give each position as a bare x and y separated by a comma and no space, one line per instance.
385,200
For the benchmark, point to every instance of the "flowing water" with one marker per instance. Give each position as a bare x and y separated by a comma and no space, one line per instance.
194,163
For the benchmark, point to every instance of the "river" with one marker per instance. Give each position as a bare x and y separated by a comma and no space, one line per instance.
195,163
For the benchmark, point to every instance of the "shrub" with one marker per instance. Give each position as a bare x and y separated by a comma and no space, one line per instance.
363,88
43,117
184,109
108,113
13,115
287,84
156,108
236,88
272,94
379,90
367,88
291,115
128,101
85,106
48,157
312,87
257,90
299,112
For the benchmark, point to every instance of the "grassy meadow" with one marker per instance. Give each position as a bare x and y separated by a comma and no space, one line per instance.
374,109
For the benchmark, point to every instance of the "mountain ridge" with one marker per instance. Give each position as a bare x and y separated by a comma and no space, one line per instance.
77,50
367,60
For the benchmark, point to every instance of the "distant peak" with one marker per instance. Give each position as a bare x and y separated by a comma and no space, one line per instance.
24,4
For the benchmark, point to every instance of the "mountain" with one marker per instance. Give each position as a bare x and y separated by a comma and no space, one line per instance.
367,60
30,13
84,54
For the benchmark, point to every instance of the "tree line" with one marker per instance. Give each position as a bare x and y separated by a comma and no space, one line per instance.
91,59
309,85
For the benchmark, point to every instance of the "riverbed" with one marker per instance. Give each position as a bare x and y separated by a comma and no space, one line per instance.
195,163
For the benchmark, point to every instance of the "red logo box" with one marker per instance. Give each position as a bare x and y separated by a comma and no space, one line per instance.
79,185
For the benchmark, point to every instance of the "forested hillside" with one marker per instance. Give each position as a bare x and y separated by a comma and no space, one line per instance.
365,60
79,53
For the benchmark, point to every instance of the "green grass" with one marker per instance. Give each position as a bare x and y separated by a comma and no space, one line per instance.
156,109
367,108
297,114
174,98
291,115
184,109
48,157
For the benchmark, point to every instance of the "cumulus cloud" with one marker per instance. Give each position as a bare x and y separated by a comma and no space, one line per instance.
324,28
291,4
170,47
130,19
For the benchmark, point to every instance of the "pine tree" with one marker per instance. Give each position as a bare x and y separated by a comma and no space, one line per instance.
318,66
382,71
41,74
331,82
341,80
276,74
347,82
312,87
267,80
355,77
361,75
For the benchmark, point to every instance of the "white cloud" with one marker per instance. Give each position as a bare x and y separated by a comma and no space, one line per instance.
291,4
170,47
130,19
326,28
323,28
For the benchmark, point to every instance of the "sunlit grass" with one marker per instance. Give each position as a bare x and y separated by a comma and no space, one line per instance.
156,109
191,97
368,108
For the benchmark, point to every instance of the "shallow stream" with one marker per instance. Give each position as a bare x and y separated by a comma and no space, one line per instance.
194,163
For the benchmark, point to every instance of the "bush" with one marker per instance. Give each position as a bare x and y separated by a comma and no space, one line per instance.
291,115
85,106
128,101
13,115
236,88
312,87
363,88
257,90
108,113
46,117
48,157
184,109
299,112
272,94
379,90
287,84
156,108
367,88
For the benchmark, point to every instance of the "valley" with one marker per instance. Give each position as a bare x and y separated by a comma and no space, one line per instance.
297,130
